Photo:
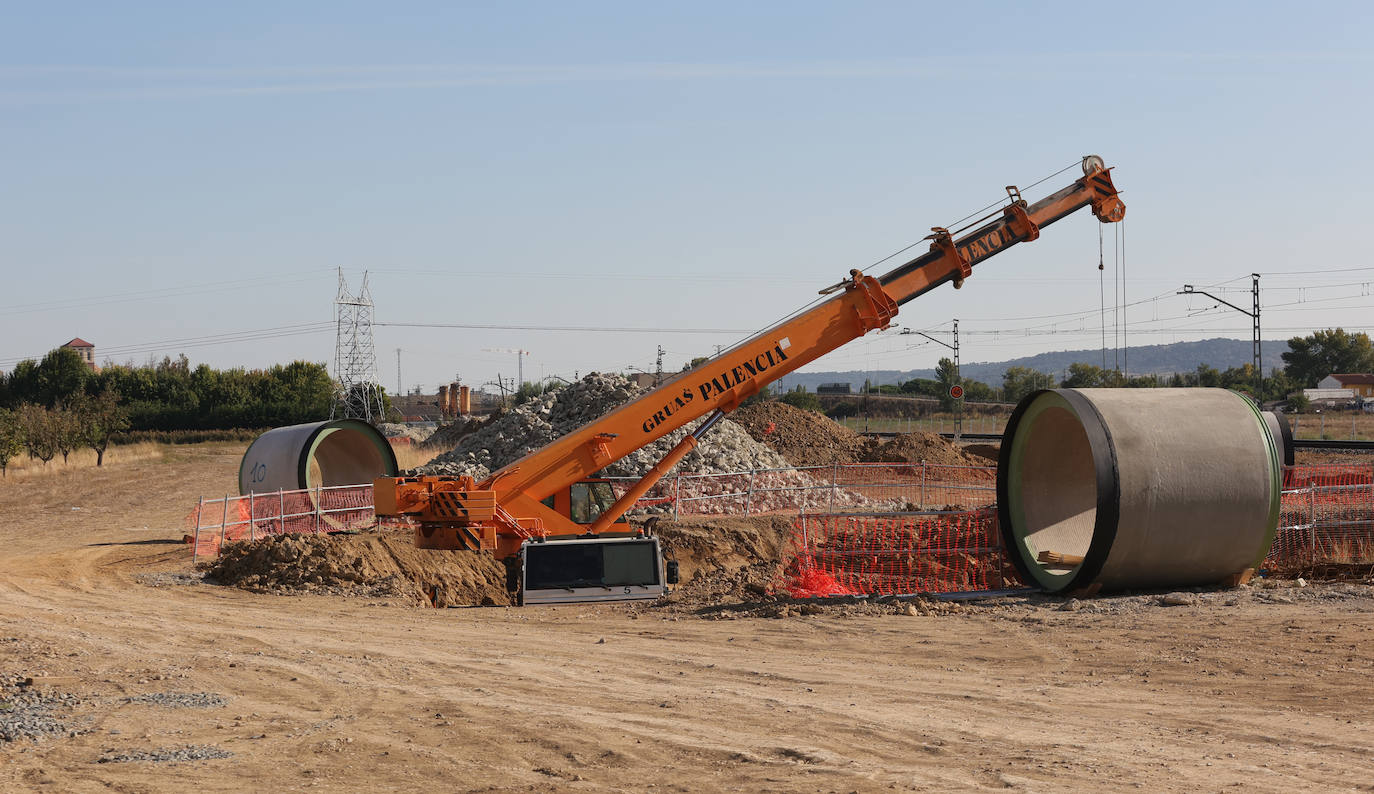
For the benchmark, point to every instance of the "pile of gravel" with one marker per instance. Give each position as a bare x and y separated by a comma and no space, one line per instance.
397,430
27,712
726,448
178,700
162,755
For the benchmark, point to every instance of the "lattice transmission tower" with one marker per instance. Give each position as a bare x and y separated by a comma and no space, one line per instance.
355,358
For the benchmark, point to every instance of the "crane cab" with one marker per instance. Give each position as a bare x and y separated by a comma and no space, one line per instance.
584,502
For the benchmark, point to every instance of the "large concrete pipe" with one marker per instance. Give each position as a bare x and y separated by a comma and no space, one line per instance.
1282,433
337,452
1137,488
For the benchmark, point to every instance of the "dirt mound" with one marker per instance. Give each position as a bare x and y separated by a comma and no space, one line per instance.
805,438
725,559
988,452
385,564
928,447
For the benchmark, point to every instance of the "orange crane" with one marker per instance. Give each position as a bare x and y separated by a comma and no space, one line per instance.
548,493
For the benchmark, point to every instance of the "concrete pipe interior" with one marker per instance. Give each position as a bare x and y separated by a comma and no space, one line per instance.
1138,488
319,454
1053,488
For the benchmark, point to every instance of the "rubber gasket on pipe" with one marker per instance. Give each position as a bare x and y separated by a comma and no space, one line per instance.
1137,488
318,454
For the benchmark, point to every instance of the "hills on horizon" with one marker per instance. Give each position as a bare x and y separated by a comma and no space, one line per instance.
1142,360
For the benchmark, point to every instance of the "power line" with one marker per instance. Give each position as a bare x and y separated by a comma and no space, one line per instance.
584,328
199,341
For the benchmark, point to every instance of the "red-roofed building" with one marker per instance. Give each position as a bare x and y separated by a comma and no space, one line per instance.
1361,384
84,349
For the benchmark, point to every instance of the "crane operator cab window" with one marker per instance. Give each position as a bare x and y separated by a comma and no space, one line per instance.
589,500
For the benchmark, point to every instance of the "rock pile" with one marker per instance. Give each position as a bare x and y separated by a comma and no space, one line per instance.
396,430
28,711
506,438
446,436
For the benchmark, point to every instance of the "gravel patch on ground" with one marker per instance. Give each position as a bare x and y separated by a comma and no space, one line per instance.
178,700
162,755
28,711
170,578
1026,606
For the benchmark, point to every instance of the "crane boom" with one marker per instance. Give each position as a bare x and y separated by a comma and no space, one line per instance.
859,304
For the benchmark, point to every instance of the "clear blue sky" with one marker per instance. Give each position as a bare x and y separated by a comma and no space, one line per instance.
178,171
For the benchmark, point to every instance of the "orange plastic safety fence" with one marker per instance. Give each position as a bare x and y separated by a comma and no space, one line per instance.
898,554
1326,518
216,522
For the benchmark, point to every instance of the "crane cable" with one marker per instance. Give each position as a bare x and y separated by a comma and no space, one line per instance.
1102,295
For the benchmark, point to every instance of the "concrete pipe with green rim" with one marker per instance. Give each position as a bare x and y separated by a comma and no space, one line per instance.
1137,488
337,452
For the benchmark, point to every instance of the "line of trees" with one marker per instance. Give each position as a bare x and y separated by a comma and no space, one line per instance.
44,433
173,395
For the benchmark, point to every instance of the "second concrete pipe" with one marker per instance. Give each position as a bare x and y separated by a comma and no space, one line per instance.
1137,488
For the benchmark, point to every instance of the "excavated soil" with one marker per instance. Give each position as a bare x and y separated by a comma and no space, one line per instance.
719,559
805,438
374,564
928,447
986,453
725,559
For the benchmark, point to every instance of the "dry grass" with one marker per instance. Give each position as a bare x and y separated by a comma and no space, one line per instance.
1333,426
22,469
410,456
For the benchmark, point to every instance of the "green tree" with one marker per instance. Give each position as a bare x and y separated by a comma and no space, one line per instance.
801,398
11,439
946,375
978,391
1208,377
99,419
1299,404
40,437
924,386
1311,358
66,426
1084,377
60,376
1017,382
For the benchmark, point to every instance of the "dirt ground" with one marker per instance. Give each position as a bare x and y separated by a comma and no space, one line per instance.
1260,689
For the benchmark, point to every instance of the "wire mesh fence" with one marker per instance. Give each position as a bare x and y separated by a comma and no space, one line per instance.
216,522
1327,519
840,487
